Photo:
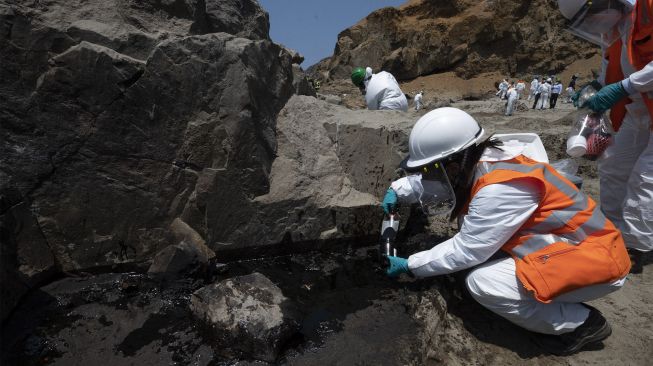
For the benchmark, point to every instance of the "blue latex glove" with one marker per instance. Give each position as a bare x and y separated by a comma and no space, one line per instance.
605,98
397,266
389,201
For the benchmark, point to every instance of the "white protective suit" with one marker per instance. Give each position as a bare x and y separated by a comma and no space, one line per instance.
570,93
503,89
545,93
626,167
520,89
512,99
495,213
534,85
418,101
382,92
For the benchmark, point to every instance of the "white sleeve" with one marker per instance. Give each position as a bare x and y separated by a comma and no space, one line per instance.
404,191
495,213
642,80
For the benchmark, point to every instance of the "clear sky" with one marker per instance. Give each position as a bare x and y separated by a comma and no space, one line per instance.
312,26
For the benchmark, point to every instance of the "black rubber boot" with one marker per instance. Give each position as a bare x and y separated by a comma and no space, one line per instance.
636,260
593,330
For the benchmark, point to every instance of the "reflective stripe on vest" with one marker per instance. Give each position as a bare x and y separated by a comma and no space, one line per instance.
567,243
640,52
559,218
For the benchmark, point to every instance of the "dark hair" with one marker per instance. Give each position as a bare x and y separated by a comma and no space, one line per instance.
462,183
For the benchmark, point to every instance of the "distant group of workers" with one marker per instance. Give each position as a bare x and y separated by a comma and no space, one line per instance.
545,92
560,249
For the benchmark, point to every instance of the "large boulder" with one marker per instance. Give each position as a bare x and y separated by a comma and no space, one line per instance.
248,315
113,112
190,257
332,165
468,37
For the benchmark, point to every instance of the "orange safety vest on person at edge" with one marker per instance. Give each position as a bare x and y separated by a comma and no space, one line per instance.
640,53
567,243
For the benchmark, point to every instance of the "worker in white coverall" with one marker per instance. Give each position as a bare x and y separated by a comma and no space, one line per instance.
534,84
570,93
520,88
381,90
503,89
626,168
418,100
562,250
512,99
545,91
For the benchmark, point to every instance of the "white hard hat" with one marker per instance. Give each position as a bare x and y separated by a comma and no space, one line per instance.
440,133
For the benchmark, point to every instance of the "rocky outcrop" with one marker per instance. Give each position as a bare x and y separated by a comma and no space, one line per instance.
114,111
468,37
120,117
247,315
332,164
191,257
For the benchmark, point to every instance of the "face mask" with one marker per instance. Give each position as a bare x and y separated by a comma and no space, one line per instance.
433,190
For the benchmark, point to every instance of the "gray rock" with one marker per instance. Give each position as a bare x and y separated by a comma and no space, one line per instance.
243,18
115,116
296,57
190,257
26,260
300,82
332,166
333,99
248,315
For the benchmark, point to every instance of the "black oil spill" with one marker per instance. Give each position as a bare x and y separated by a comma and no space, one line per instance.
352,314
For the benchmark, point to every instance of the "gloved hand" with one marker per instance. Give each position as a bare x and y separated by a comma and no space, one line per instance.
389,201
605,98
575,98
397,266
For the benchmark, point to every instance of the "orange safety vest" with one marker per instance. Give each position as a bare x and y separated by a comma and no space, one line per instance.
567,243
640,53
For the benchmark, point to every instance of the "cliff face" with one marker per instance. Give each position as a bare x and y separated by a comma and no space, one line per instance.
112,112
120,117
468,37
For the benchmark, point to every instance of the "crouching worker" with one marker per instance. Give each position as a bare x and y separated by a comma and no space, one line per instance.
560,249
381,90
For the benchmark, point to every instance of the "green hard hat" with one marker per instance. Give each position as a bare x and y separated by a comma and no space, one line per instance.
357,76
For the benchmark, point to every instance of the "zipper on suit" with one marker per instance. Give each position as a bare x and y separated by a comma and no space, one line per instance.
543,258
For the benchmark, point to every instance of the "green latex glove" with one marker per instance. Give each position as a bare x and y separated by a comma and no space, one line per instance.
389,201
605,98
397,266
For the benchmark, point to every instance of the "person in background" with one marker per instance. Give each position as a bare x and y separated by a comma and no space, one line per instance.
503,89
512,99
418,100
537,246
572,82
521,85
570,93
556,89
622,29
544,90
381,90
534,94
